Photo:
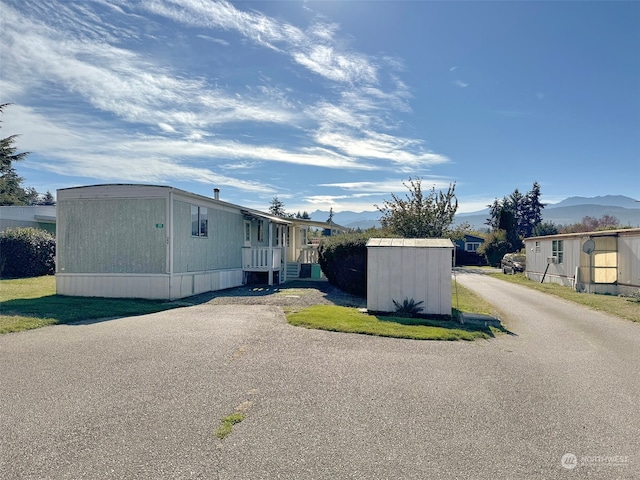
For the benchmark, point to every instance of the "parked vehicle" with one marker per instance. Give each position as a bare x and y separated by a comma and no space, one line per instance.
513,263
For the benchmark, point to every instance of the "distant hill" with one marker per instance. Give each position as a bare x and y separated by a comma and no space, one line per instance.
570,210
573,210
363,220
607,200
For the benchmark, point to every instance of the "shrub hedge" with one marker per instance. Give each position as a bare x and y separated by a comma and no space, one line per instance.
343,260
27,252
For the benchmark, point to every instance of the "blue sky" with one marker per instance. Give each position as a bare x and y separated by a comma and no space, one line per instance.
325,104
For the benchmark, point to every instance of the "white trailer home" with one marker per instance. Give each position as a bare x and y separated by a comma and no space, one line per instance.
606,261
35,216
418,269
159,242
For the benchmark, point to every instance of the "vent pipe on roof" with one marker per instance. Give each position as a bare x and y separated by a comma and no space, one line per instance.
216,193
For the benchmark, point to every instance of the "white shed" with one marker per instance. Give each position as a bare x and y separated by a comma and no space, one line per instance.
413,268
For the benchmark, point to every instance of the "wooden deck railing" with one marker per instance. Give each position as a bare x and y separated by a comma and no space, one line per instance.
261,259
308,255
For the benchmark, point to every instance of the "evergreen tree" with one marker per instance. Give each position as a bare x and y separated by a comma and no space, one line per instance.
494,214
277,208
531,212
47,199
545,228
11,190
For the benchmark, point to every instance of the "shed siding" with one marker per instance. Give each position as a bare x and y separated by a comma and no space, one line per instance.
221,249
629,262
418,273
111,236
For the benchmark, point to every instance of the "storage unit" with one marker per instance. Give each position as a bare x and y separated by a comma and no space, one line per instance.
412,268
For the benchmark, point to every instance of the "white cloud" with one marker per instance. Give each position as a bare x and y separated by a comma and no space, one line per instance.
389,186
101,102
165,127
219,41
460,83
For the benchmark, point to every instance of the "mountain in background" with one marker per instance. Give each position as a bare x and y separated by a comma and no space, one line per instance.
570,210
363,220
573,210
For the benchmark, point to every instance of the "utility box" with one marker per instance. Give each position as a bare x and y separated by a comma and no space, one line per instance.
413,268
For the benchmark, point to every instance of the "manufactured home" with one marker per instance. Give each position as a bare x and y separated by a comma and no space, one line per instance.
606,261
159,242
42,217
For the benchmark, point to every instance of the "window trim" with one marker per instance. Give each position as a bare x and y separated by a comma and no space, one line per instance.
557,250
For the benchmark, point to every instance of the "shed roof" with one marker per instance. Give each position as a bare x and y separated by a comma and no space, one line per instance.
410,242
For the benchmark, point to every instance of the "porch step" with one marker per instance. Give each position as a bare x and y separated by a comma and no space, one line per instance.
293,270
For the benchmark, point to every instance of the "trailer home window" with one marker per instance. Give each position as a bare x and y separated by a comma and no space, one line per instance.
472,246
199,221
557,250
261,230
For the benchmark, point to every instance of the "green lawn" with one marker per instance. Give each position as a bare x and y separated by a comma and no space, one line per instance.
32,303
28,303
624,307
351,320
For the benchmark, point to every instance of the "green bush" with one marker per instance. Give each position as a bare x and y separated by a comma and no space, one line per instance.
495,247
27,252
343,260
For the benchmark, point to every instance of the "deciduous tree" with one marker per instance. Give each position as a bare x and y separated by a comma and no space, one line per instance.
419,215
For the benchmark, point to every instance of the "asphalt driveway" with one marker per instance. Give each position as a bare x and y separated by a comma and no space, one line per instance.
141,397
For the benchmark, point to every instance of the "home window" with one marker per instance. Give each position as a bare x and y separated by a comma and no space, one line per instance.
247,233
199,221
472,247
537,247
557,249
303,236
261,230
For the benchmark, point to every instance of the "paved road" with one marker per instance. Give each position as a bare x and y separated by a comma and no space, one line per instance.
141,397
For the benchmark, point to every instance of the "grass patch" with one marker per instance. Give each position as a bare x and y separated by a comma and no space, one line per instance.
227,423
464,300
29,303
351,320
624,307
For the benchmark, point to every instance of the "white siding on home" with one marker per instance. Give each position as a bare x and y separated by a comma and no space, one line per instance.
418,269
113,286
135,241
220,249
612,267
629,271
111,235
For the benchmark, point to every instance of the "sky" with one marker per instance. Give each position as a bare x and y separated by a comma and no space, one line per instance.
325,104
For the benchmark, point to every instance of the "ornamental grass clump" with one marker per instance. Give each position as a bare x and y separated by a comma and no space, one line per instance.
408,308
